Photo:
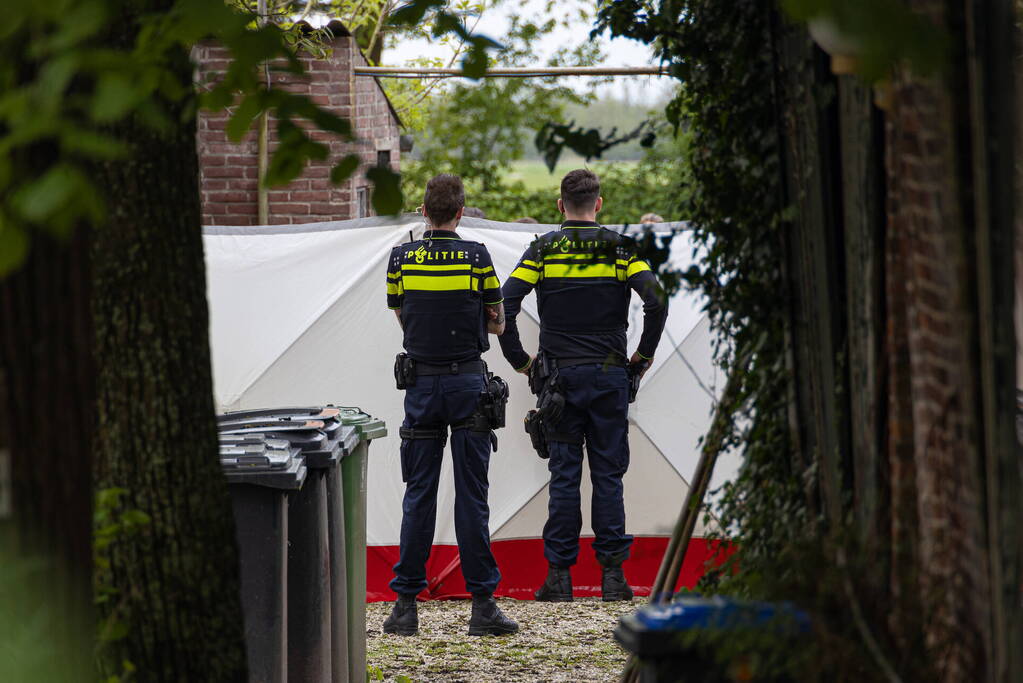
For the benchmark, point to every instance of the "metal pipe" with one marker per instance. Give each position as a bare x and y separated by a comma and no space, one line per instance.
511,72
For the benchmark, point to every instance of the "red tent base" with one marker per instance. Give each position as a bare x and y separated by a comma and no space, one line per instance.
523,568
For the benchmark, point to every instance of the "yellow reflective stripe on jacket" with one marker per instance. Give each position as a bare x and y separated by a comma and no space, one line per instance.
527,262
435,267
526,274
437,283
580,270
637,266
395,288
394,275
483,271
492,283
592,256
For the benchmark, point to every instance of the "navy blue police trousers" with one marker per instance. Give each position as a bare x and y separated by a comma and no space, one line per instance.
433,402
597,408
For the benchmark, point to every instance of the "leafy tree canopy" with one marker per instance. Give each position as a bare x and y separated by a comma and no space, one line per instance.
56,106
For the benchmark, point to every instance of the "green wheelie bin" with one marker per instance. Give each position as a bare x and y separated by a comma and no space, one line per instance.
354,465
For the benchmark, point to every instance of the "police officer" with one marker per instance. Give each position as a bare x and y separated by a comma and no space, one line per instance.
584,276
447,297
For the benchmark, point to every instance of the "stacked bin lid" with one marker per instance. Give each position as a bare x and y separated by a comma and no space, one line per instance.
261,460
316,431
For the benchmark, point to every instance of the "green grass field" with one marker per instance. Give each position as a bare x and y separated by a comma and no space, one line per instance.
535,176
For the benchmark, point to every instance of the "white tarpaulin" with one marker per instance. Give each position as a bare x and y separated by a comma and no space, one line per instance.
298,317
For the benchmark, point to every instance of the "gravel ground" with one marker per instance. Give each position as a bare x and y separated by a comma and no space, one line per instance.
555,642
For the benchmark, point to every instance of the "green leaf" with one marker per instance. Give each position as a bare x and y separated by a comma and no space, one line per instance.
135,518
344,169
387,197
295,149
40,199
113,630
241,121
114,97
13,246
92,145
412,13
474,65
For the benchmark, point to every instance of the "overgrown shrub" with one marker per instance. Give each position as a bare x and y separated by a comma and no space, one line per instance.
629,190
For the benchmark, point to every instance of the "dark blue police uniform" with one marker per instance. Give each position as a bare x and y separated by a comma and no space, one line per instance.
584,276
440,284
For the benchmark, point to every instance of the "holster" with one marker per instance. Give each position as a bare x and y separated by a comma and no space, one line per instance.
534,427
490,411
635,373
404,371
550,405
494,400
540,372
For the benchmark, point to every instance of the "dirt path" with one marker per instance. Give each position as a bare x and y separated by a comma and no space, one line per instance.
556,642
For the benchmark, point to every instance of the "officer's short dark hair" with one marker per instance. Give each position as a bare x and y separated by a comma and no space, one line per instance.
445,195
580,189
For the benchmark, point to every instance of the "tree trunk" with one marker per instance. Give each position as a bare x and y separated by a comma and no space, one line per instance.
175,579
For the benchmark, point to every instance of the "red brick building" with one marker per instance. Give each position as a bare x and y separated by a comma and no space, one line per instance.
229,171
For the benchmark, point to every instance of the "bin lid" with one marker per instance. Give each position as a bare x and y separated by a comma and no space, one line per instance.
309,412
270,460
369,428
722,613
329,425
349,438
353,416
290,477
327,455
264,425
245,439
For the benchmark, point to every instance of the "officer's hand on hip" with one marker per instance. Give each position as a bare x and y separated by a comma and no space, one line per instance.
637,359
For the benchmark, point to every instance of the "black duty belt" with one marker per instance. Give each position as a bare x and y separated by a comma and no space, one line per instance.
476,367
569,362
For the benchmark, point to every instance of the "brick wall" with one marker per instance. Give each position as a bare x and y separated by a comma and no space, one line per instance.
933,426
228,172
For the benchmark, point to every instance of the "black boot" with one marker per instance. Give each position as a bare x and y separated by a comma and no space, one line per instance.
487,618
404,620
557,587
613,585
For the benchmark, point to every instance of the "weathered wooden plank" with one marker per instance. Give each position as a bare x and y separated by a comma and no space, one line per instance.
864,221
814,266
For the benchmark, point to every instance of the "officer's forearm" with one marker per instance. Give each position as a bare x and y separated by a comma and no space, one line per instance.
397,314
511,345
495,319
655,313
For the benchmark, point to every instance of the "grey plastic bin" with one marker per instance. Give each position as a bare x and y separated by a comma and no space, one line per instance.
259,498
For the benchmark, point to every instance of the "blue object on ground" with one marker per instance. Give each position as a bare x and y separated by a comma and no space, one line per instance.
722,613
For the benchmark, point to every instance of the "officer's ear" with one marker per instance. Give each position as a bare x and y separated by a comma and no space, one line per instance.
458,216
599,205
561,206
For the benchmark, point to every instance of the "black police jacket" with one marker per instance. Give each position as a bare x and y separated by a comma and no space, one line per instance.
440,285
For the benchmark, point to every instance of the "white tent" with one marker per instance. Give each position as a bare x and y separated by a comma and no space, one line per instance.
298,316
